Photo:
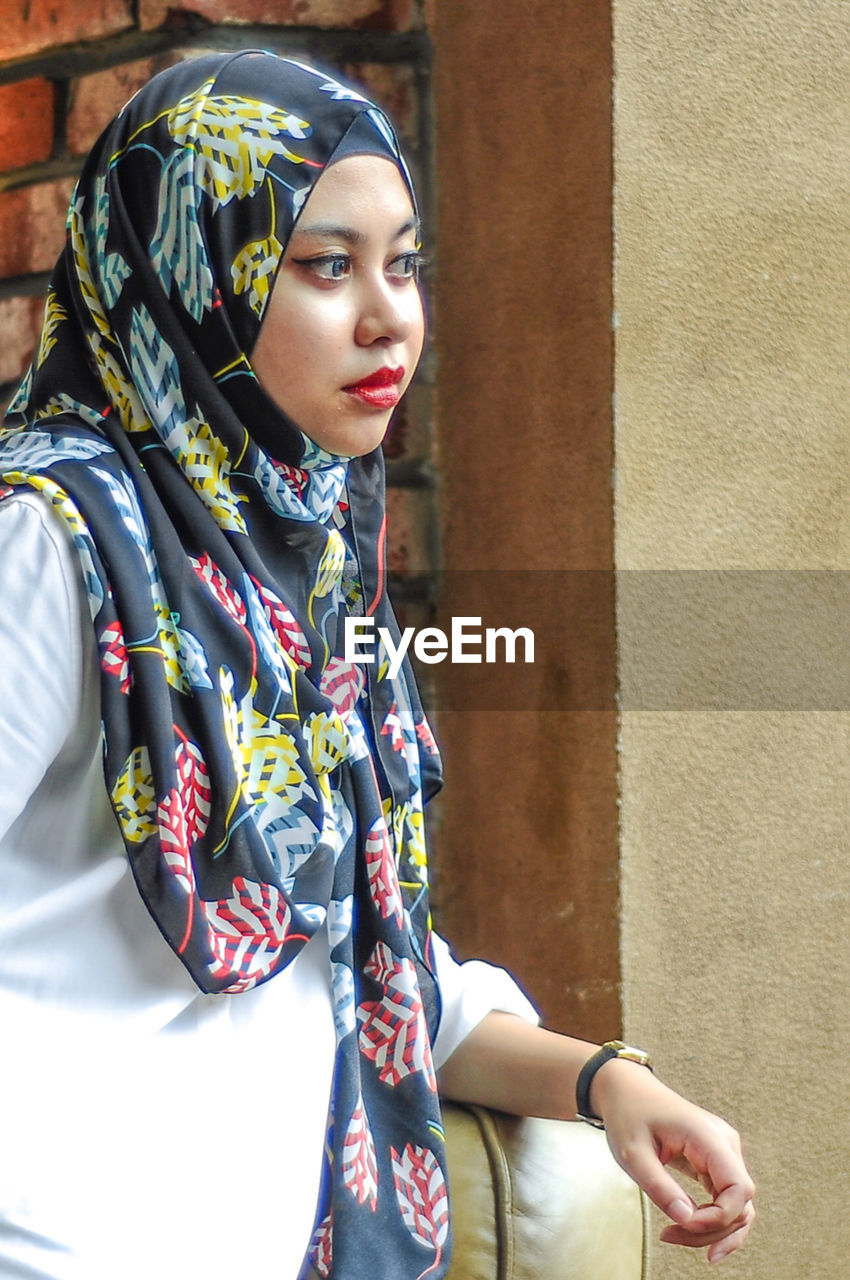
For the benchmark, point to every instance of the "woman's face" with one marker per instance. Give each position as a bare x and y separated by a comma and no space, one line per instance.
344,327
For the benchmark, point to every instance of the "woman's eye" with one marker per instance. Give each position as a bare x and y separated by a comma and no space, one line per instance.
330,266
407,266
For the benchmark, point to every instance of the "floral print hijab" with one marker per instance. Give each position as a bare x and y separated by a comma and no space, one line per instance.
264,787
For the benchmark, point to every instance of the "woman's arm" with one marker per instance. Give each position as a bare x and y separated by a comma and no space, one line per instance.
514,1066
40,652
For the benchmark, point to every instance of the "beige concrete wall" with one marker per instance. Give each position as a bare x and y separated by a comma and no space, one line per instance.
732,163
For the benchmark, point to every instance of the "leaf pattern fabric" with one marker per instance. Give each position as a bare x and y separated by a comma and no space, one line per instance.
423,1200
263,786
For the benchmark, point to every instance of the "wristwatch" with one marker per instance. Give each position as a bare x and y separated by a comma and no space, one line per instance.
611,1049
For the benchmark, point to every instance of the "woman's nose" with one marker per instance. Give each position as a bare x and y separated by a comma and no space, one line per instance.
387,311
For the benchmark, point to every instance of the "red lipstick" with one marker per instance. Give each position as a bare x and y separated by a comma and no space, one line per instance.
380,389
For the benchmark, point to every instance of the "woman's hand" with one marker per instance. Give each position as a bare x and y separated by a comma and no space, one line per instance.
524,1069
650,1130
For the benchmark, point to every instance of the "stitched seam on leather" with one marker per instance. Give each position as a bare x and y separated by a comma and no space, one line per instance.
644,1258
502,1192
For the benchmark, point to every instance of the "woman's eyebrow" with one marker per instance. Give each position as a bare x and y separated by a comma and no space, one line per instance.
333,231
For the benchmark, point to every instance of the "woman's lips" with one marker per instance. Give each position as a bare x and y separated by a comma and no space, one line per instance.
380,390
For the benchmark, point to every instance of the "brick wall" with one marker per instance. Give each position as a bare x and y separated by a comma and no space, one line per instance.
66,68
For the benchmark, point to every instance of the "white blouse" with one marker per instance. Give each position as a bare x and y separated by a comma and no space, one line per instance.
147,1129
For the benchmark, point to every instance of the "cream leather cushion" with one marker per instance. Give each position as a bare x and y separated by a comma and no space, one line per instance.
539,1200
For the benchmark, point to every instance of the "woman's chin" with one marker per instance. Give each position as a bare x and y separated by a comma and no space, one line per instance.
352,440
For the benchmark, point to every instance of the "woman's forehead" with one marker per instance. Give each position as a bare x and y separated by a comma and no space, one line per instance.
355,196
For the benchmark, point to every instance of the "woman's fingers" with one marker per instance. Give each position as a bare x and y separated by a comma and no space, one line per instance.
716,1161
641,1162
720,1242
733,1241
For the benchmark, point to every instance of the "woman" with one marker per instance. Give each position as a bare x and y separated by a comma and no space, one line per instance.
216,942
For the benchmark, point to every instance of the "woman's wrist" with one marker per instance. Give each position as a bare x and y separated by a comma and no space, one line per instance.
612,1050
616,1079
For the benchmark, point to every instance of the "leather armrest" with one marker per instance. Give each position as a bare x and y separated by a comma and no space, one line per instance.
534,1199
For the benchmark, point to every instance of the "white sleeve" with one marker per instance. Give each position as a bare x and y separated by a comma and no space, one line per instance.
40,650
468,992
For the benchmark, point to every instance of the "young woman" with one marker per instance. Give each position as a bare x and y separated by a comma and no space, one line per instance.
223,1004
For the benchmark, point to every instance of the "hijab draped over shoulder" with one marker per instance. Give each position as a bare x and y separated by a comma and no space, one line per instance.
264,787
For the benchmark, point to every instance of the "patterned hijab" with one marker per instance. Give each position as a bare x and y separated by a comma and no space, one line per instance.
263,786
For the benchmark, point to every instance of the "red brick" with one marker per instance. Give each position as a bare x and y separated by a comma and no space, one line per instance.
393,87
96,98
32,25
378,15
32,227
410,530
26,123
20,324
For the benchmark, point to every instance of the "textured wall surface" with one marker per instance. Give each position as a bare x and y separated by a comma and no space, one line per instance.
732,146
